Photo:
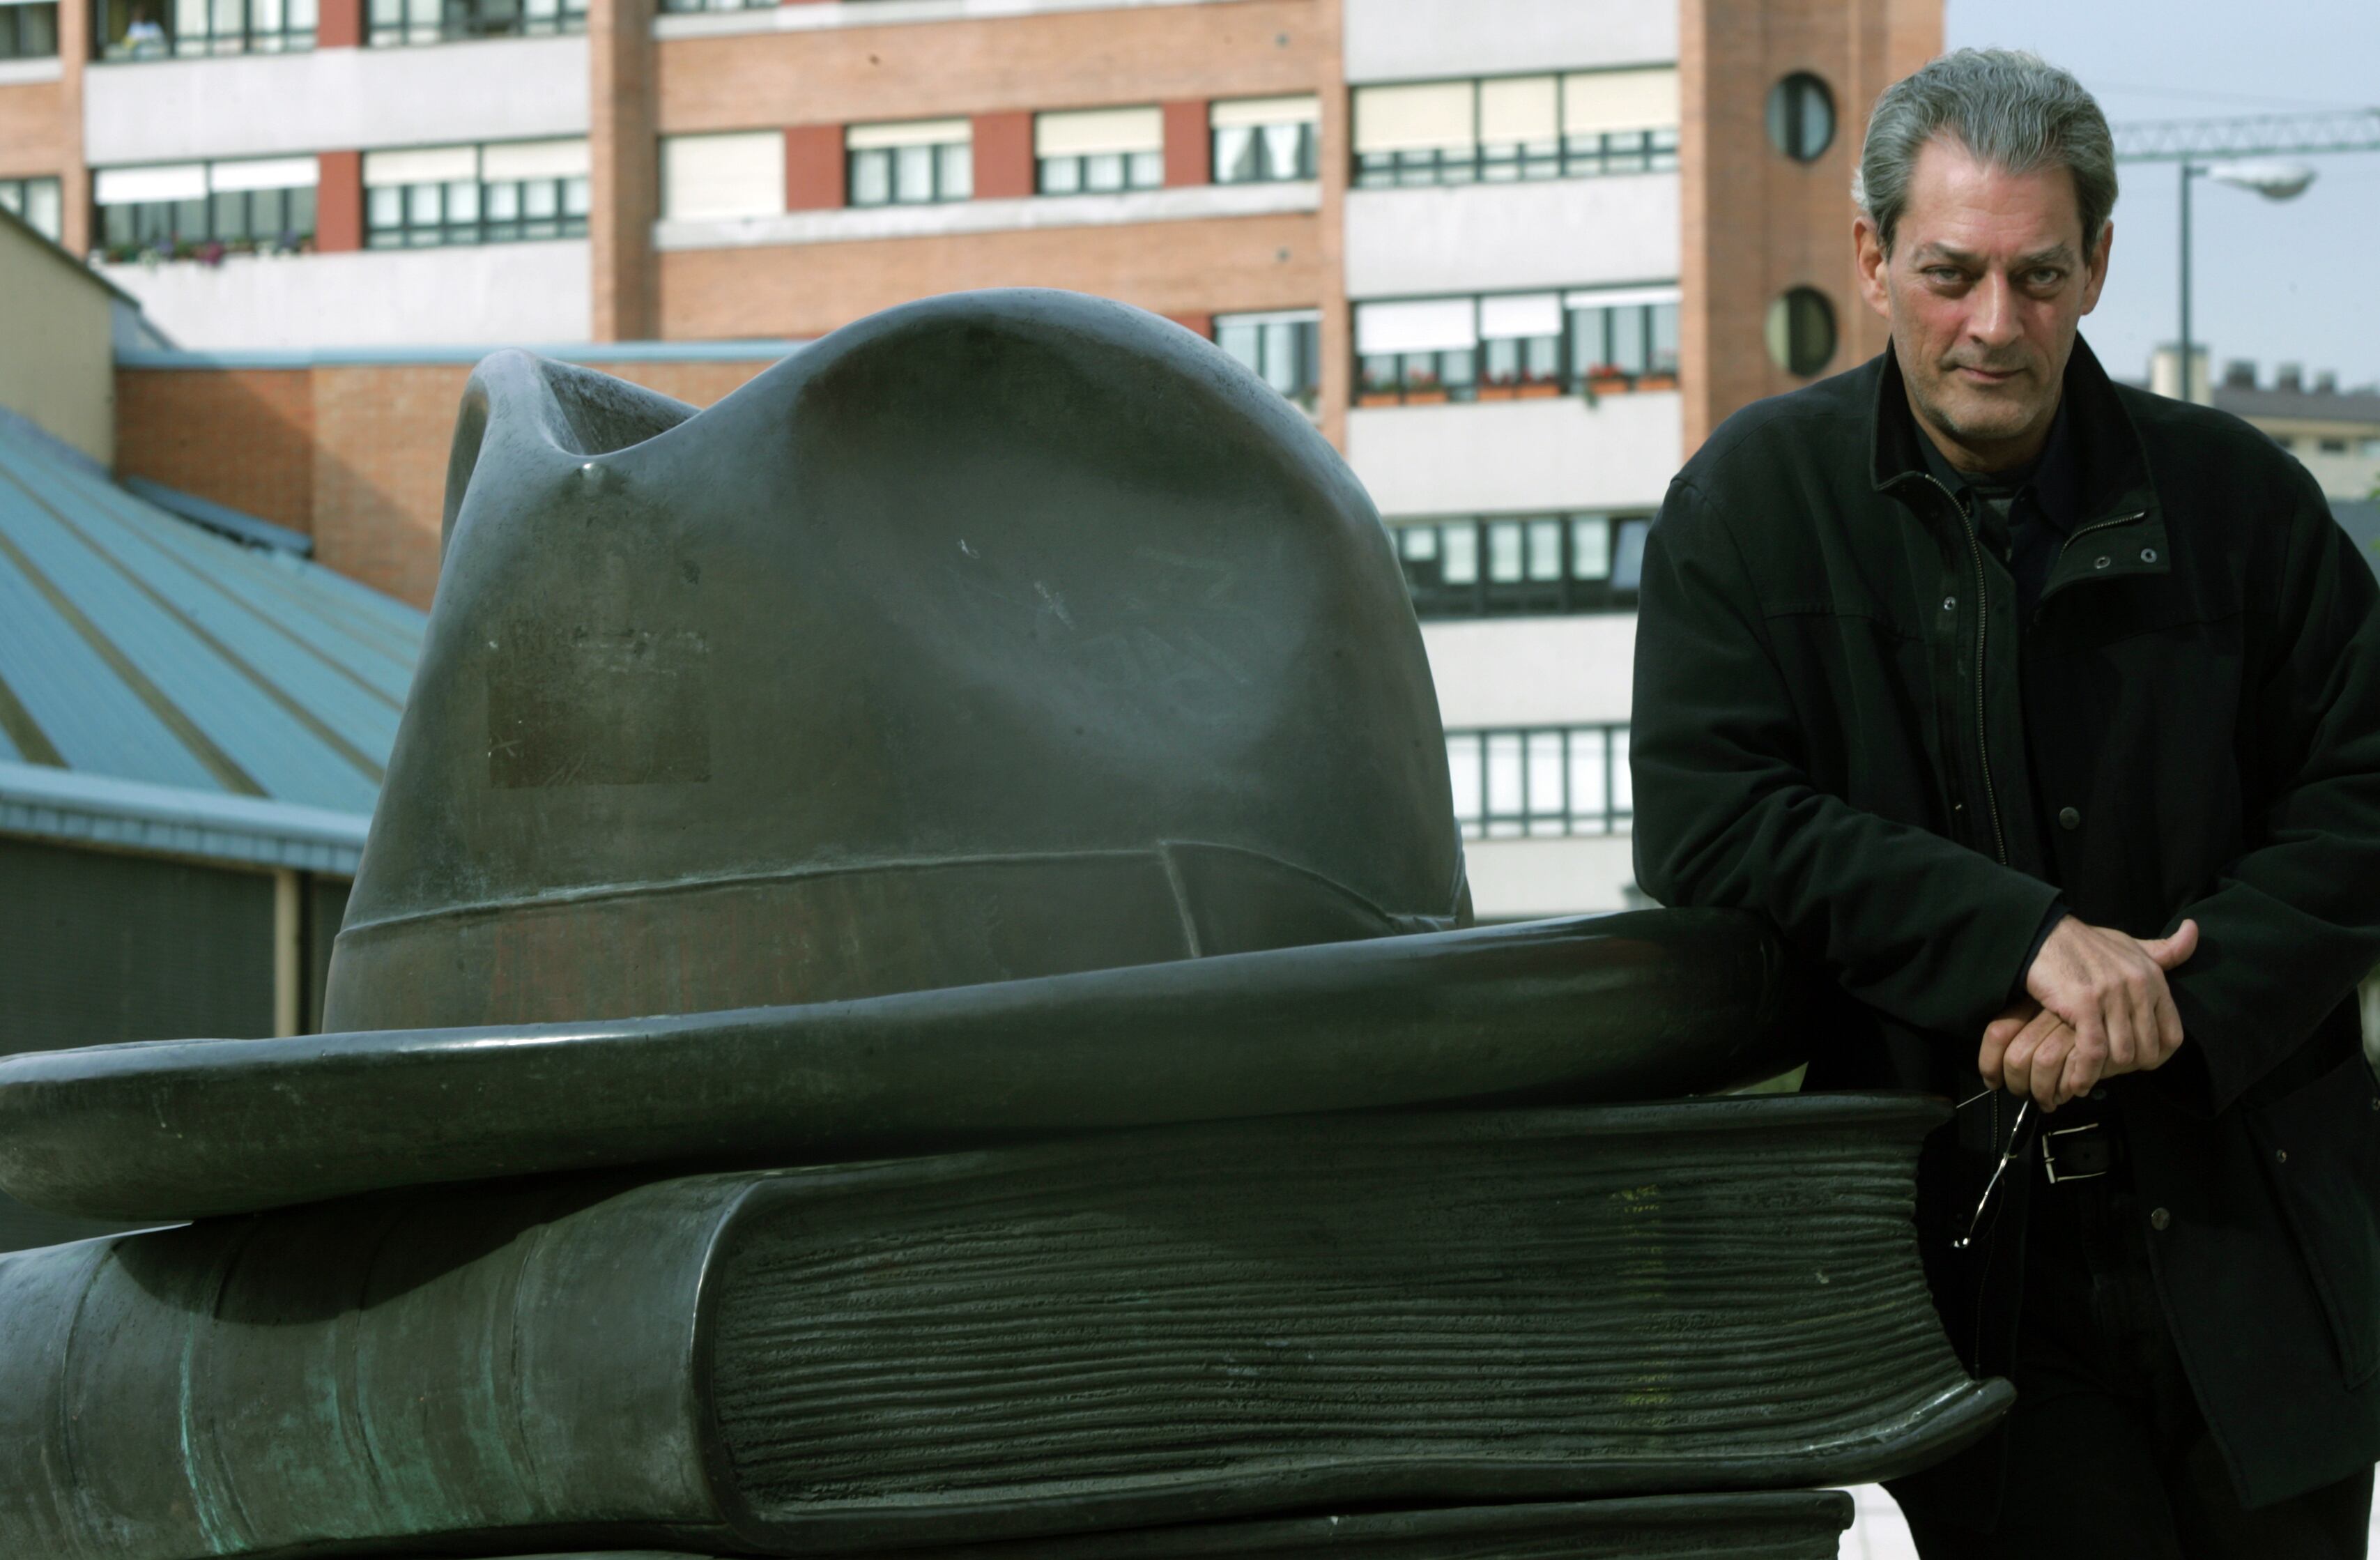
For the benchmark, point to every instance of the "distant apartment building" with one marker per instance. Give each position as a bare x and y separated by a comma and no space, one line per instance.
1515,257
2336,432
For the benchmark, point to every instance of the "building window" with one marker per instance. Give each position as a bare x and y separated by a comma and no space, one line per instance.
1801,116
439,21
37,201
1264,140
910,164
160,29
28,32
1283,349
1540,782
687,8
204,211
504,193
1097,150
1801,331
1517,346
2331,447
1523,565
1512,127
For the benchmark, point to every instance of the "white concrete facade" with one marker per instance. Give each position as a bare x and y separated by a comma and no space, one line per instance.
1614,451
256,105
1185,203
1525,879
1531,671
1424,39
478,295
1490,237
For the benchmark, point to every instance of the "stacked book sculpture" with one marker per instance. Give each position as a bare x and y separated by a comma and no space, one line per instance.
924,1010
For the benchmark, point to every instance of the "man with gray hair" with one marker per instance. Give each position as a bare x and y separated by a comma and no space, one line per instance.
2044,715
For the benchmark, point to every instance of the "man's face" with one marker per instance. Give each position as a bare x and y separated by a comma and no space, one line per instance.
1986,285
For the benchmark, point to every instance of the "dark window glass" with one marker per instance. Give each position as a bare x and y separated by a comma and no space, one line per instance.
1801,116
1284,351
1800,331
1522,564
1264,153
132,30
922,174
1102,172
28,31
436,21
474,212
1540,781
37,203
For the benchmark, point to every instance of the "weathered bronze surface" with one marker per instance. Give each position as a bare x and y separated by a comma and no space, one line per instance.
1639,1005
999,635
1142,1328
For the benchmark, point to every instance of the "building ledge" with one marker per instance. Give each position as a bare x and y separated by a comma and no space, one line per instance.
817,17
17,72
170,820
850,224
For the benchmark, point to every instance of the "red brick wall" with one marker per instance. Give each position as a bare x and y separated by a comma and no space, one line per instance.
1189,148
1004,155
240,436
339,202
353,455
339,24
814,168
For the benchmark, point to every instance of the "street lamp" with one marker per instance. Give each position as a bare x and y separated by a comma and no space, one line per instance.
2274,182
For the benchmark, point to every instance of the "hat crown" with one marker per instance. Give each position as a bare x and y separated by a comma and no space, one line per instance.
998,635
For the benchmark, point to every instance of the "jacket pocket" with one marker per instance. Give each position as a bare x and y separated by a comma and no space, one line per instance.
2320,1148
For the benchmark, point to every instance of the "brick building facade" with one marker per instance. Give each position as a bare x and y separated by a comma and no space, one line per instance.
1516,256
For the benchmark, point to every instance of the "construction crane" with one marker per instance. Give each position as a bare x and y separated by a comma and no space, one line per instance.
2193,144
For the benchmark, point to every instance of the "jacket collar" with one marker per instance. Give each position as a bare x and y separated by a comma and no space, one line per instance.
2110,467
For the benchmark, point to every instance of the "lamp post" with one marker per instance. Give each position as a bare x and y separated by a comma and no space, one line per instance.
2274,182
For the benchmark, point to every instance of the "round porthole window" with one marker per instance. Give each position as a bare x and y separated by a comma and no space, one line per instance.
1801,116
1801,329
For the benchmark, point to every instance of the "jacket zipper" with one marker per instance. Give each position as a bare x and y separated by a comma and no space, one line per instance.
2081,532
1983,627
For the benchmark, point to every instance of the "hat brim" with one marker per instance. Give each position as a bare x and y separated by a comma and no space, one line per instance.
1639,1005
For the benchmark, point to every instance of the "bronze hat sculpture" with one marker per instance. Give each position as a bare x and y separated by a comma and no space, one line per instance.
1002,721
848,764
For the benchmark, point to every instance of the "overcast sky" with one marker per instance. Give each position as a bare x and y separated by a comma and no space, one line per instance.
2293,282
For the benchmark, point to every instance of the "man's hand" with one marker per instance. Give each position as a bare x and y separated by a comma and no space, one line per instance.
2099,1008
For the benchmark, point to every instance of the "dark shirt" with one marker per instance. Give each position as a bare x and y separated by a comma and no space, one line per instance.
2023,514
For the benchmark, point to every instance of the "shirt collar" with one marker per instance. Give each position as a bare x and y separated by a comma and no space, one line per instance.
2052,481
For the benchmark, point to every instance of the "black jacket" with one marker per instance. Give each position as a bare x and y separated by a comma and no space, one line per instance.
1840,722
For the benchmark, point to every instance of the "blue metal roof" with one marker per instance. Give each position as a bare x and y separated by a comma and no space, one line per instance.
136,646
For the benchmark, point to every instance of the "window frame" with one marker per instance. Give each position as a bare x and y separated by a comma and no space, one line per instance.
523,222
1566,814
390,24
1304,346
1653,149
1467,375
15,25
946,188
20,205
295,31
1306,163
193,228
1582,579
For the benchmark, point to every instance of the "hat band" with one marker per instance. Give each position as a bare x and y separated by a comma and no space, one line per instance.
801,937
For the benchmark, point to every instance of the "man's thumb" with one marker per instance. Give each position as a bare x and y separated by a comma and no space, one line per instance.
2172,953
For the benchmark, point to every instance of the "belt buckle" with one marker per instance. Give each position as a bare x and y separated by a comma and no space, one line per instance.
2049,1154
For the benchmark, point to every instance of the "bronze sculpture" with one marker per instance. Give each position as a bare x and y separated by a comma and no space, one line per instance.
1001,722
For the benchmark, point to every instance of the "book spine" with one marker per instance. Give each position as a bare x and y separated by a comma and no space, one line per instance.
500,1361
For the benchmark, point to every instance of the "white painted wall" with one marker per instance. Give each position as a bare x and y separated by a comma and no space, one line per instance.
179,111
1512,456
490,295
1533,670
942,219
1520,878
1486,237
1418,40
